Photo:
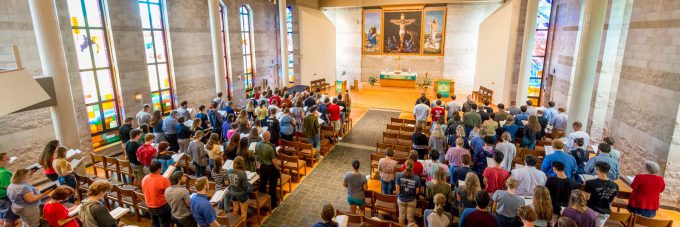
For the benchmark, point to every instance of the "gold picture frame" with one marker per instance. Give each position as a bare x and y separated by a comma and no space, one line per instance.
374,47
438,46
402,46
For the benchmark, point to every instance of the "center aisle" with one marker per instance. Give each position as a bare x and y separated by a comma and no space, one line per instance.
324,184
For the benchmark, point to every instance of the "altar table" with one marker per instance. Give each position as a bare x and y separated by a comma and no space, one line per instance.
398,79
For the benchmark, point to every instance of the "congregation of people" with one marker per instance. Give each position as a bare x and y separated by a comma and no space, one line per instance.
248,136
464,170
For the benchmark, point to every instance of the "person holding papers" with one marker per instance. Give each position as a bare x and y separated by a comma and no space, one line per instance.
153,186
198,154
247,154
603,155
55,213
163,157
644,200
146,152
203,212
202,116
64,169
92,212
577,126
560,187
266,154
559,156
177,196
218,174
579,211
311,127
327,215
602,192
183,134
581,156
170,130
239,187
495,176
528,176
46,158
25,198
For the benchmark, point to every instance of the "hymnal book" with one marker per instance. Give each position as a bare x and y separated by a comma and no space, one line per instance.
411,125
12,159
341,220
47,186
461,183
168,172
252,177
490,162
177,157
502,123
34,167
191,110
76,162
218,196
594,146
630,179
188,123
586,177
524,122
118,212
72,152
229,164
74,212
222,112
549,150
252,145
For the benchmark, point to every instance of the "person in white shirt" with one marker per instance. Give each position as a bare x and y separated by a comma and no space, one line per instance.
143,116
508,149
421,111
616,154
577,134
531,110
183,111
528,176
220,102
452,107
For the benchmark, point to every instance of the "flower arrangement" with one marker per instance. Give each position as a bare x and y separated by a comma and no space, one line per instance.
424,82
372,80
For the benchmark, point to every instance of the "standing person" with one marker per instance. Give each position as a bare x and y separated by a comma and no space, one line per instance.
508,149
220,102
64,169
521,118
408,185
269,172
274,127
157,126
431,167
92,212
226,126
531,133
471,119
55,213
467,105
423,99
437,112
511,127
203,116
198,154
348,103
323,110
466,194
531,110
439,186
343,108
261,112
560,187
527,216
46,158
434,103
438,217
482,113
250,109
480,154
543,122
480,216
602,192
239,188
490,125
452,107
487,106
577,126
231,147
143,116
644,200
214,150
229,109
581,156
182,111
170,130
243,123
387,167
275,98
298,113
25,198
559,156
356,183
311,127
542,204
500,115
218,174
419,140
146,153
616,154
495,177
417,166
287,126
334,117
8,217
459,172
528,176
124,130
579,211
131,148
216,119
438,141
177,196
454,154
246,153
603,155
550,111
420,112
508,203
163,157
201,209
513,109
184,134
153,186
558,123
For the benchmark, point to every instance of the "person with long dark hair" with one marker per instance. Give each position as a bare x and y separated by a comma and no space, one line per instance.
327,215
46,158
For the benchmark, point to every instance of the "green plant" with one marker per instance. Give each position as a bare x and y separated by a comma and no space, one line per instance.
372,80
424,82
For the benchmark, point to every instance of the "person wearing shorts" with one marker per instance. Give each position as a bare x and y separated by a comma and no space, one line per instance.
356,183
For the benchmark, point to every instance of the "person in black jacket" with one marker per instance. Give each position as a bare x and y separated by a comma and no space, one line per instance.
183,135
420,142
125,129
216,119
274,127
131,148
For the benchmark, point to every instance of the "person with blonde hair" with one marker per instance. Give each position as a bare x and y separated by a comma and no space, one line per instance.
454,154
578,210
55,213
239,187
542,206
327,215
64,169
408,185
25,198
507,203
92,212
465,194
527,215
437,217
387,167
438,185
214,149
437,141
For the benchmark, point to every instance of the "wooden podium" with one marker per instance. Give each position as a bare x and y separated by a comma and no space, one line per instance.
340,86
444,87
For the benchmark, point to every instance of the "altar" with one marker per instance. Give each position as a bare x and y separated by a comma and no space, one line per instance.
398,79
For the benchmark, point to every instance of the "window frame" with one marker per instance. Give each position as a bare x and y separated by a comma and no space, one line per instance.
247,56
156,63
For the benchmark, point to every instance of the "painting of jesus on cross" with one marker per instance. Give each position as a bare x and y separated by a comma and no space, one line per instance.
402,32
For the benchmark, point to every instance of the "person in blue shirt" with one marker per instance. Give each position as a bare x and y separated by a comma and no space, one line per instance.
230,108
604,156
477,138
569,162
201,115
522,116
169,128
216,119
200,205
226,125
327,214
510,127
550,111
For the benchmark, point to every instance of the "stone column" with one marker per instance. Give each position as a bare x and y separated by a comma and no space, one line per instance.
284,42
588,42
217,46
53,63
527,53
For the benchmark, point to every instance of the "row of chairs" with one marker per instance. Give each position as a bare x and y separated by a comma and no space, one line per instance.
396,139
379,203
406,122
300,149
628,219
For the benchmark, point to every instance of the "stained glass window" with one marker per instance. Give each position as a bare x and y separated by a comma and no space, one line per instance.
96,74
246,42
289,32
223,29
153,30
540,44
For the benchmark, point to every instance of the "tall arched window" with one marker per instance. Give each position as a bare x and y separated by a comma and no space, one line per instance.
538,56
94,63
153,29
289,36
247,41
223,29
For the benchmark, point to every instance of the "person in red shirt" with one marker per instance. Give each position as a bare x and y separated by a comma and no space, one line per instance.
495,177
417,166
286,103
437,111
55,213
334,115
146,152
153,186
644,200
275,97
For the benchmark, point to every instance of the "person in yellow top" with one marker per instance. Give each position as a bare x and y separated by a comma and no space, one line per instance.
214,149
261,112
490,125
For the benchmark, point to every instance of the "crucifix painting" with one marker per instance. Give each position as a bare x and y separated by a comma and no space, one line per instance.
402,32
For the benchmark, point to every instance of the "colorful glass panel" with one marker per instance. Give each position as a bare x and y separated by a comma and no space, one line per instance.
167,101
155,47
543,16
94,118
89,87
537,67
99,48
539,50
148,47
159,44
246,40
540,41
156,100
82,43
105,85
109,109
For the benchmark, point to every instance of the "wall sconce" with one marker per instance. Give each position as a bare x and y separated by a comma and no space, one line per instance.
238,76
138,97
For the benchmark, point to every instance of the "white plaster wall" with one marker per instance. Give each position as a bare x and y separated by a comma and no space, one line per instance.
317,46
347,23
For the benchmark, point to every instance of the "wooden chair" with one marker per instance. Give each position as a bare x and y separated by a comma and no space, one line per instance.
407,130
380,148
393,129
112,167
385,203
351,218
536,153
115,196
289,147
396,224
410,122
190,182
396,121
284,179
390,138
294,164
125,171
99,162
307,152
375,159
519,158
131,199
621,200
404,140
328,132
377,223
403,148
619,219
229,219
651,222
369,200
82,185
258,201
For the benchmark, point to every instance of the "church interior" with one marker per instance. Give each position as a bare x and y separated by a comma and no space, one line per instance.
339,112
